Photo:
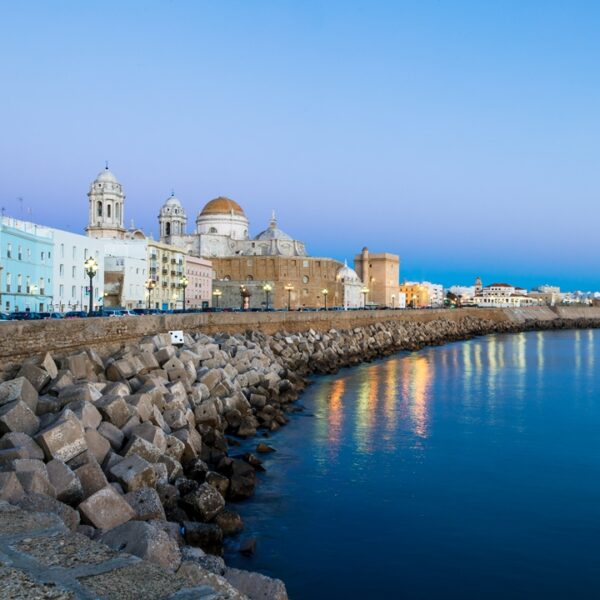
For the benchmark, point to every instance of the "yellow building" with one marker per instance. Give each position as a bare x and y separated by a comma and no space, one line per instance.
166,267
380,273
417,295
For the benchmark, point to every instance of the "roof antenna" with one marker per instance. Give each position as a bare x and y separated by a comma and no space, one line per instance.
172,192
106,165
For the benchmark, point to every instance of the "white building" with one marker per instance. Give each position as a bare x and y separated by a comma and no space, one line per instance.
465,292
352,286
503,295
71,283
126,272
436,293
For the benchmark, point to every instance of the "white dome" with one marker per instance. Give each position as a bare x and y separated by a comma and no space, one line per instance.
172,202
106,176
347,274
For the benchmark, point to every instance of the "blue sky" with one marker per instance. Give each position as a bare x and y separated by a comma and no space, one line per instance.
462,136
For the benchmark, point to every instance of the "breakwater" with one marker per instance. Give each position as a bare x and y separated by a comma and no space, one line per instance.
139,444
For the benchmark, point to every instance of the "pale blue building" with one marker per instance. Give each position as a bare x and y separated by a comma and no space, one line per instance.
26,266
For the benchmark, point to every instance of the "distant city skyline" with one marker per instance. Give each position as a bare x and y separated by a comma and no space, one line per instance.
461,136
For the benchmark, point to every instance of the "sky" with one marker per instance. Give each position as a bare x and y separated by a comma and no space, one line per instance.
463,136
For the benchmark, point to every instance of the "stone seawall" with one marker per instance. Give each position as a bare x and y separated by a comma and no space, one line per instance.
20,340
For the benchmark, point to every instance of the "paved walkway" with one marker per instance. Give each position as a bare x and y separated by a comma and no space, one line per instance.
40,558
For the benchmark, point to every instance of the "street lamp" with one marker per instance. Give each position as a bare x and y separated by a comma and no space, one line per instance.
183,282
217,294
150,285
267,289
175,297
245,294
393,301
325,293
289,288
91,268
364,292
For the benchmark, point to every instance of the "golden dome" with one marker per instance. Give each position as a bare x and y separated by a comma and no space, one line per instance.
222,206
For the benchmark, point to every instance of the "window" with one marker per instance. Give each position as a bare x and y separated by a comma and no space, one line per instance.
305,279
20,253
42,286
108,210
99,208
61,290
28,284
118,211
74,252
305,264
85,252
42,256
212,230
73,272
28,253
73,292
168,229
19,283
9,250
61,270
8,282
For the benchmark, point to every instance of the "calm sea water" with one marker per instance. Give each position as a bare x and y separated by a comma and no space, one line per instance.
470,470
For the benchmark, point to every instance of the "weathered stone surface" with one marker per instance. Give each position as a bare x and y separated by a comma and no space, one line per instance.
174,447
146,504
263,448
77,364
142,448
106,509
255,585
92,478
114,409
36,482
63,440
45,504
67,485
230,522
207,536
87,413
79,392
18,389
205,502
192,443
146,541
113,434
18,417
11,489
196,575
21,440
133,473
97,444
151,433
47,363
218,481
37,377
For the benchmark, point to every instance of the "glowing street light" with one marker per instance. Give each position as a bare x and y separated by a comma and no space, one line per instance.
325,293
217,294
364,292
184,282
150,285
267,289
91,268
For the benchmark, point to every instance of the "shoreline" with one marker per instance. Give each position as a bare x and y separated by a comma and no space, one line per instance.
73,426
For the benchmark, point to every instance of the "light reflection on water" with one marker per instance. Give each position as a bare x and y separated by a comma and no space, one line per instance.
470,470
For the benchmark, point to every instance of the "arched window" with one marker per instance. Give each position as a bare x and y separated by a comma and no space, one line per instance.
99,208
118,211
250,278
168,229
108,210
212,230
227,278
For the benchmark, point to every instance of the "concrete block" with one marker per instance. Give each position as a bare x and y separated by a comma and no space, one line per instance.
87,413
63,440
36,376
18,417
18,389
151,433
133,473
142,404
205,503
77,364
192,443
114,409
92,478
35,502
143,448
85,392
11,489
62,380
174,447
146,504
21,440
113,434
106,509
36,482
174,468
65,482
97,444
47,363
175,418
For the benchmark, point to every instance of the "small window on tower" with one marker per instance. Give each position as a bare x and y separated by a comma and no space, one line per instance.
168,229
99,209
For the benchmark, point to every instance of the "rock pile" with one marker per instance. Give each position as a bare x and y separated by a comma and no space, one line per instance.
134,449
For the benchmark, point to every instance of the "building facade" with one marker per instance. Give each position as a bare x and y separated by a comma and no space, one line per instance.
166,266
380,273
199,273
26,266
416,294
71,283
126,272
106,207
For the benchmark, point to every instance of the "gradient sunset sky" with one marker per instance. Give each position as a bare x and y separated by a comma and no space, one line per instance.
463,136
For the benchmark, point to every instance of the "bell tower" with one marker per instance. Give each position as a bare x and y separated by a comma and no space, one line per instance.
106,207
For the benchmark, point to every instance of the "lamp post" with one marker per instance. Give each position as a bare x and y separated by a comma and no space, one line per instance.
183,282
289,288
91,268
150,285
364,292
175,298
393,301
325,293
267,288
245,294
217,294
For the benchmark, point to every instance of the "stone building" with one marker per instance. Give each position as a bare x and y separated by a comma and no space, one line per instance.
199,273
380,273
166,266
106,207
416,294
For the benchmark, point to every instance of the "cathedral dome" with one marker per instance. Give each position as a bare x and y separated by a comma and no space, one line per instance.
222,206
347,274
273,233
173,201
